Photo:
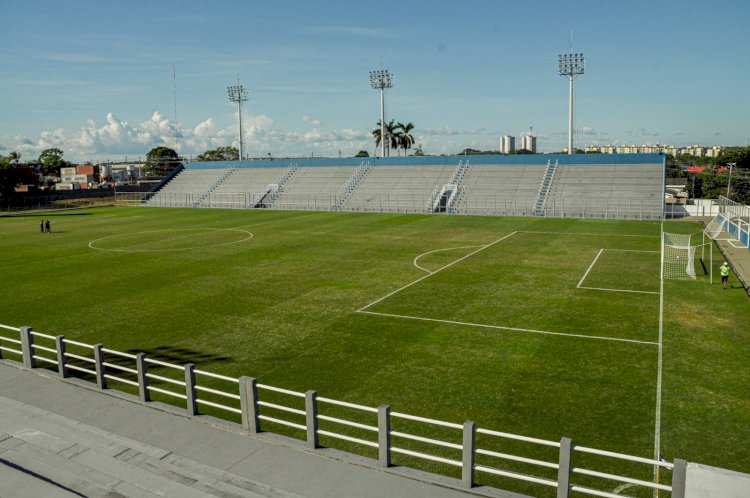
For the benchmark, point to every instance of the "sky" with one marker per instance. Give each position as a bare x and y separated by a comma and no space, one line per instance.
110,80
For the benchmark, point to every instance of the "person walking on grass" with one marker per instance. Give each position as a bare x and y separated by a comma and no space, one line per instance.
724,270
47,227
41,226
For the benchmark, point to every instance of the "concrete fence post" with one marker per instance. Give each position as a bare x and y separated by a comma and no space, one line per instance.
27,347
142,368
249,404
469,444
563,471
384,435
679,476
190,392
101,381
311,418
62,359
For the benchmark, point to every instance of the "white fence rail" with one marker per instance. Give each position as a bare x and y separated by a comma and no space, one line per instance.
365,426
470,204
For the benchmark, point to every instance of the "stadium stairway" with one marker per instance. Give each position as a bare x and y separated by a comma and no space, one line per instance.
61,438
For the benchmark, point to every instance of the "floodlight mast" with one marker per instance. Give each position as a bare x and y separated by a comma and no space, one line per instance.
238,94
380,80
570,65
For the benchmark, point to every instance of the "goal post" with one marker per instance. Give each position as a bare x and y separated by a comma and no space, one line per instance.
679,256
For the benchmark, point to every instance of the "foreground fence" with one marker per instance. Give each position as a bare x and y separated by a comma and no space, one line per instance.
473,451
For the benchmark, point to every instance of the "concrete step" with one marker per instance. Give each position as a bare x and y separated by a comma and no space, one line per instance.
93,462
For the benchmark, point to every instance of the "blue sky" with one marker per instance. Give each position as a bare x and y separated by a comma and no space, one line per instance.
95,79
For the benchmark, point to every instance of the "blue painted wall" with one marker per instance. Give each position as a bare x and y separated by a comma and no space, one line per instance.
437,160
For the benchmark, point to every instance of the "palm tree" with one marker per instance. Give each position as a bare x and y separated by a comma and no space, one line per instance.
391,135
405,140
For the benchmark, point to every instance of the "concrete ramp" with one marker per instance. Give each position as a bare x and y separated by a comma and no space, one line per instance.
704,481
61,438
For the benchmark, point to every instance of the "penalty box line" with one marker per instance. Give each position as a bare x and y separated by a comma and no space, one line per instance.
580,283
512,329
482,248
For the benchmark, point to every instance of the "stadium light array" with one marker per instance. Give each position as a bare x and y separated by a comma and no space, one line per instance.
238,94
380,80
570,66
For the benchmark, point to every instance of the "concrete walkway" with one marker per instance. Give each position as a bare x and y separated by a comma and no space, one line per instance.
60,438
739,261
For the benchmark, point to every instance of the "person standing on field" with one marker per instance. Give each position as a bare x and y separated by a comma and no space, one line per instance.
41,226
47,227
724,270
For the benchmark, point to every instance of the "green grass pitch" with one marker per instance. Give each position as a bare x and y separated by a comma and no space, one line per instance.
545,328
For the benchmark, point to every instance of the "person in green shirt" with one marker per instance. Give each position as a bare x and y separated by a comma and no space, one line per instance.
724,270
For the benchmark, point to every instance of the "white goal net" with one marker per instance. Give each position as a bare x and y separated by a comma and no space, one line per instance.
679,256
715,227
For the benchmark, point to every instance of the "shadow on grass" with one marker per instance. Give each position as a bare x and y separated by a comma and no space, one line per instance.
179,356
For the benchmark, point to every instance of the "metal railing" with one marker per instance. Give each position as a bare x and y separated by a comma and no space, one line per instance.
261,405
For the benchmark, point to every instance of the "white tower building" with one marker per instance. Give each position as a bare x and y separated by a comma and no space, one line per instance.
507,144
528,142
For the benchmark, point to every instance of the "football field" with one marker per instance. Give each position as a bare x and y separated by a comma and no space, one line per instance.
540,327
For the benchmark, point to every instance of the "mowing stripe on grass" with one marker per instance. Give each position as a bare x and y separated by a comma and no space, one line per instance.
482,248
513,329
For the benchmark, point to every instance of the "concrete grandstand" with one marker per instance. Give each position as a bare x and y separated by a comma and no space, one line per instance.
616,186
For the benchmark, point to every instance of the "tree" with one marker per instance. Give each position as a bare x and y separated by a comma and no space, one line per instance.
51,161
362,153
6,182
390,136
738,155
161,160
220,154
405,140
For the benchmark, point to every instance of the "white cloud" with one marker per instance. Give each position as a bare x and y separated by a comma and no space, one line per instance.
115,138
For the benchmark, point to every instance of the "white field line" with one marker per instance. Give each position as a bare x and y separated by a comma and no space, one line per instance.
513,329
590,267
587,234
617,290
632,250
439,250
580,286
659,363
436,271
93,242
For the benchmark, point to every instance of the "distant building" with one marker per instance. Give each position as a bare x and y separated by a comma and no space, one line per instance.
695,150
528,142
507,144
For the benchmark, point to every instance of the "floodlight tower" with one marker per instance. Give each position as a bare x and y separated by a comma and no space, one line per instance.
238,94
570,65
381,79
